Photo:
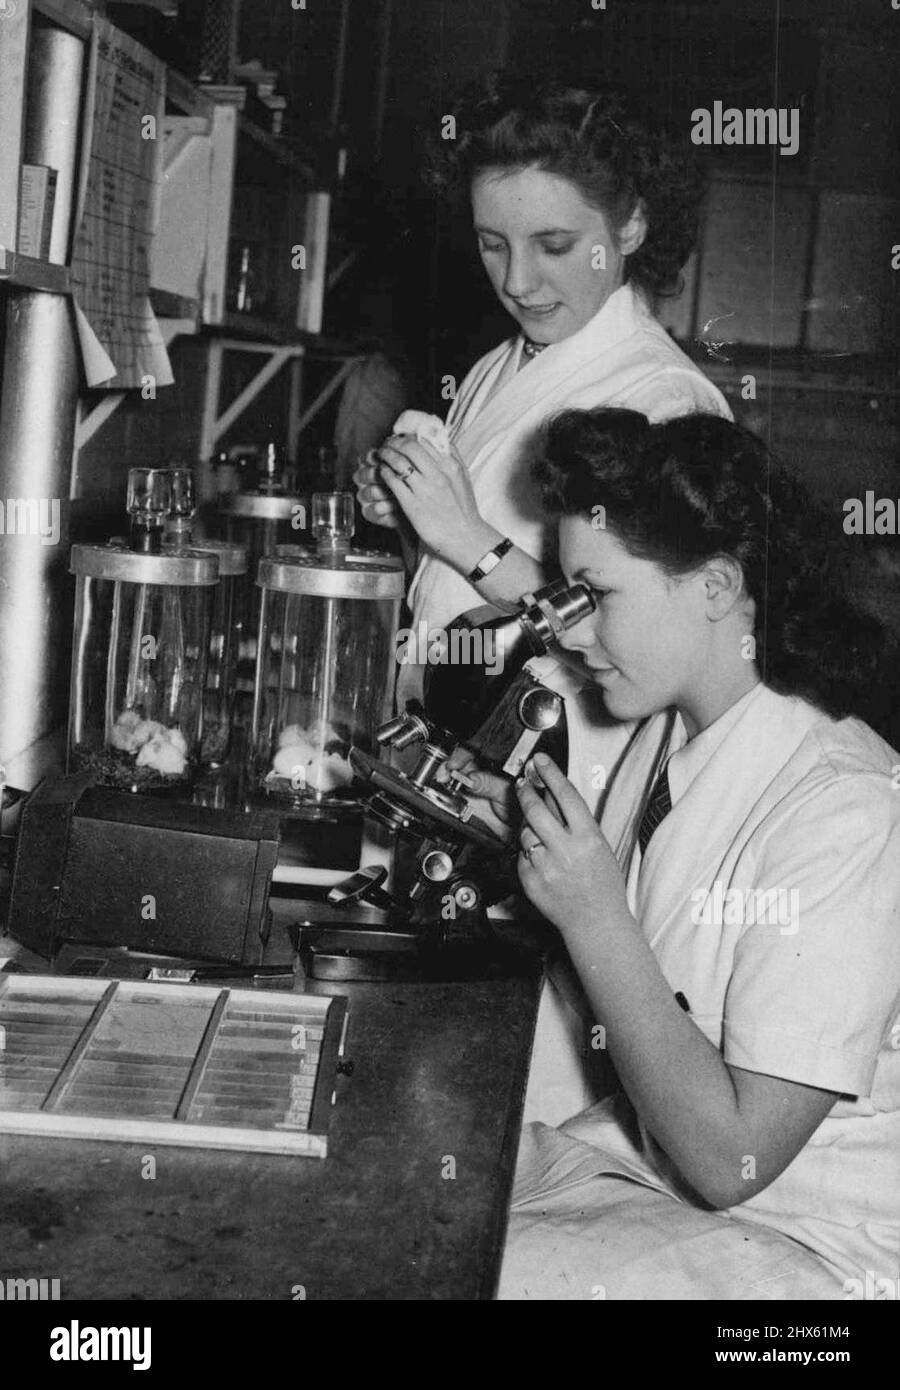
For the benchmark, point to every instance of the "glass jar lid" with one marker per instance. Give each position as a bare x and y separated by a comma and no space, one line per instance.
231,555
289,551
259,507
187,567
354,574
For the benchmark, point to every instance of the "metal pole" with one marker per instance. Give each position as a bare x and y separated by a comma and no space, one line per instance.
340,64
37,430
381,85
52,123
295,405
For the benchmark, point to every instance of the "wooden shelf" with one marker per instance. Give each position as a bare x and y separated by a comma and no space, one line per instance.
275,147
27,273
270,331
187,97
172,328
173,306
259,327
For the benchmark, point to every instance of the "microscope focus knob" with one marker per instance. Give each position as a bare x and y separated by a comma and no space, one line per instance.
467,897
437,865
540,708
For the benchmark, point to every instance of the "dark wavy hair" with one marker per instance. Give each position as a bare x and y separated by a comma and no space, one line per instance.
596,141
681,492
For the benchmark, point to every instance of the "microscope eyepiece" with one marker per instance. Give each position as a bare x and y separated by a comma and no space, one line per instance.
550,612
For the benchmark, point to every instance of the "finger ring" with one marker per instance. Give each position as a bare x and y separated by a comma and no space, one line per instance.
402,476
528,850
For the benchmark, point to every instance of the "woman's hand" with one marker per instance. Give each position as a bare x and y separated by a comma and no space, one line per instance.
435,494
376,503
492,798
566,866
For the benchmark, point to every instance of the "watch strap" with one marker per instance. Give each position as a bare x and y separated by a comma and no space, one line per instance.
490,561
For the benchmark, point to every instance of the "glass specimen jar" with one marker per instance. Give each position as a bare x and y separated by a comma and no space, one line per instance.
260,521
139,661
226,631
326,666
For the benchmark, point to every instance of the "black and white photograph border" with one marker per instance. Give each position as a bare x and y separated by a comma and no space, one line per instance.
450,587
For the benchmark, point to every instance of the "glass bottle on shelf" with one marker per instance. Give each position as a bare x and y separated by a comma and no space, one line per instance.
244,292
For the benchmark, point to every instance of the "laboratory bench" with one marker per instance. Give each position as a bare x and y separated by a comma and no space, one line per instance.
409,1203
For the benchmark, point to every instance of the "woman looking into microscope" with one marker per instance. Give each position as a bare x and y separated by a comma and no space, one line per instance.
734,918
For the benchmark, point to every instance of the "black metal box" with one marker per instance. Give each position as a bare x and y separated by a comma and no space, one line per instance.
107,867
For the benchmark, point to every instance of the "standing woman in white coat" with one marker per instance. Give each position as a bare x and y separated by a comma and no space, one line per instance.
582,214
735,917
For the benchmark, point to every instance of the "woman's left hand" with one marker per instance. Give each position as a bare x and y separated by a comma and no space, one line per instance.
435,493
566,866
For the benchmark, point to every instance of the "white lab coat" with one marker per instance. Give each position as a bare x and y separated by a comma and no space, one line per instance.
773,797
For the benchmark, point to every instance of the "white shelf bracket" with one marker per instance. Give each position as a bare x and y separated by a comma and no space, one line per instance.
215,425
326,393
90,422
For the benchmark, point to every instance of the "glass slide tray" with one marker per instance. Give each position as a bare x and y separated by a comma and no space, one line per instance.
194,1065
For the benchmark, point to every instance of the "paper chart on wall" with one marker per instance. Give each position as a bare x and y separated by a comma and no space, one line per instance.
117,212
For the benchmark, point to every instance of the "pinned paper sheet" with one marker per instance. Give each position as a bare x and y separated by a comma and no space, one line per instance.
117,213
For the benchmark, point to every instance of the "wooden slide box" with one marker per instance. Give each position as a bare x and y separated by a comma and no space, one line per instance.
193,1065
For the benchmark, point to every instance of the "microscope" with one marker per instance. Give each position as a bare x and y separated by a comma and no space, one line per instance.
450,866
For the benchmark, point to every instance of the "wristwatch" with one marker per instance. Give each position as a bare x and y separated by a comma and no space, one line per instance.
490,561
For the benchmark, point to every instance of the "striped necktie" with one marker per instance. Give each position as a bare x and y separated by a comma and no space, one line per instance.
657,808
